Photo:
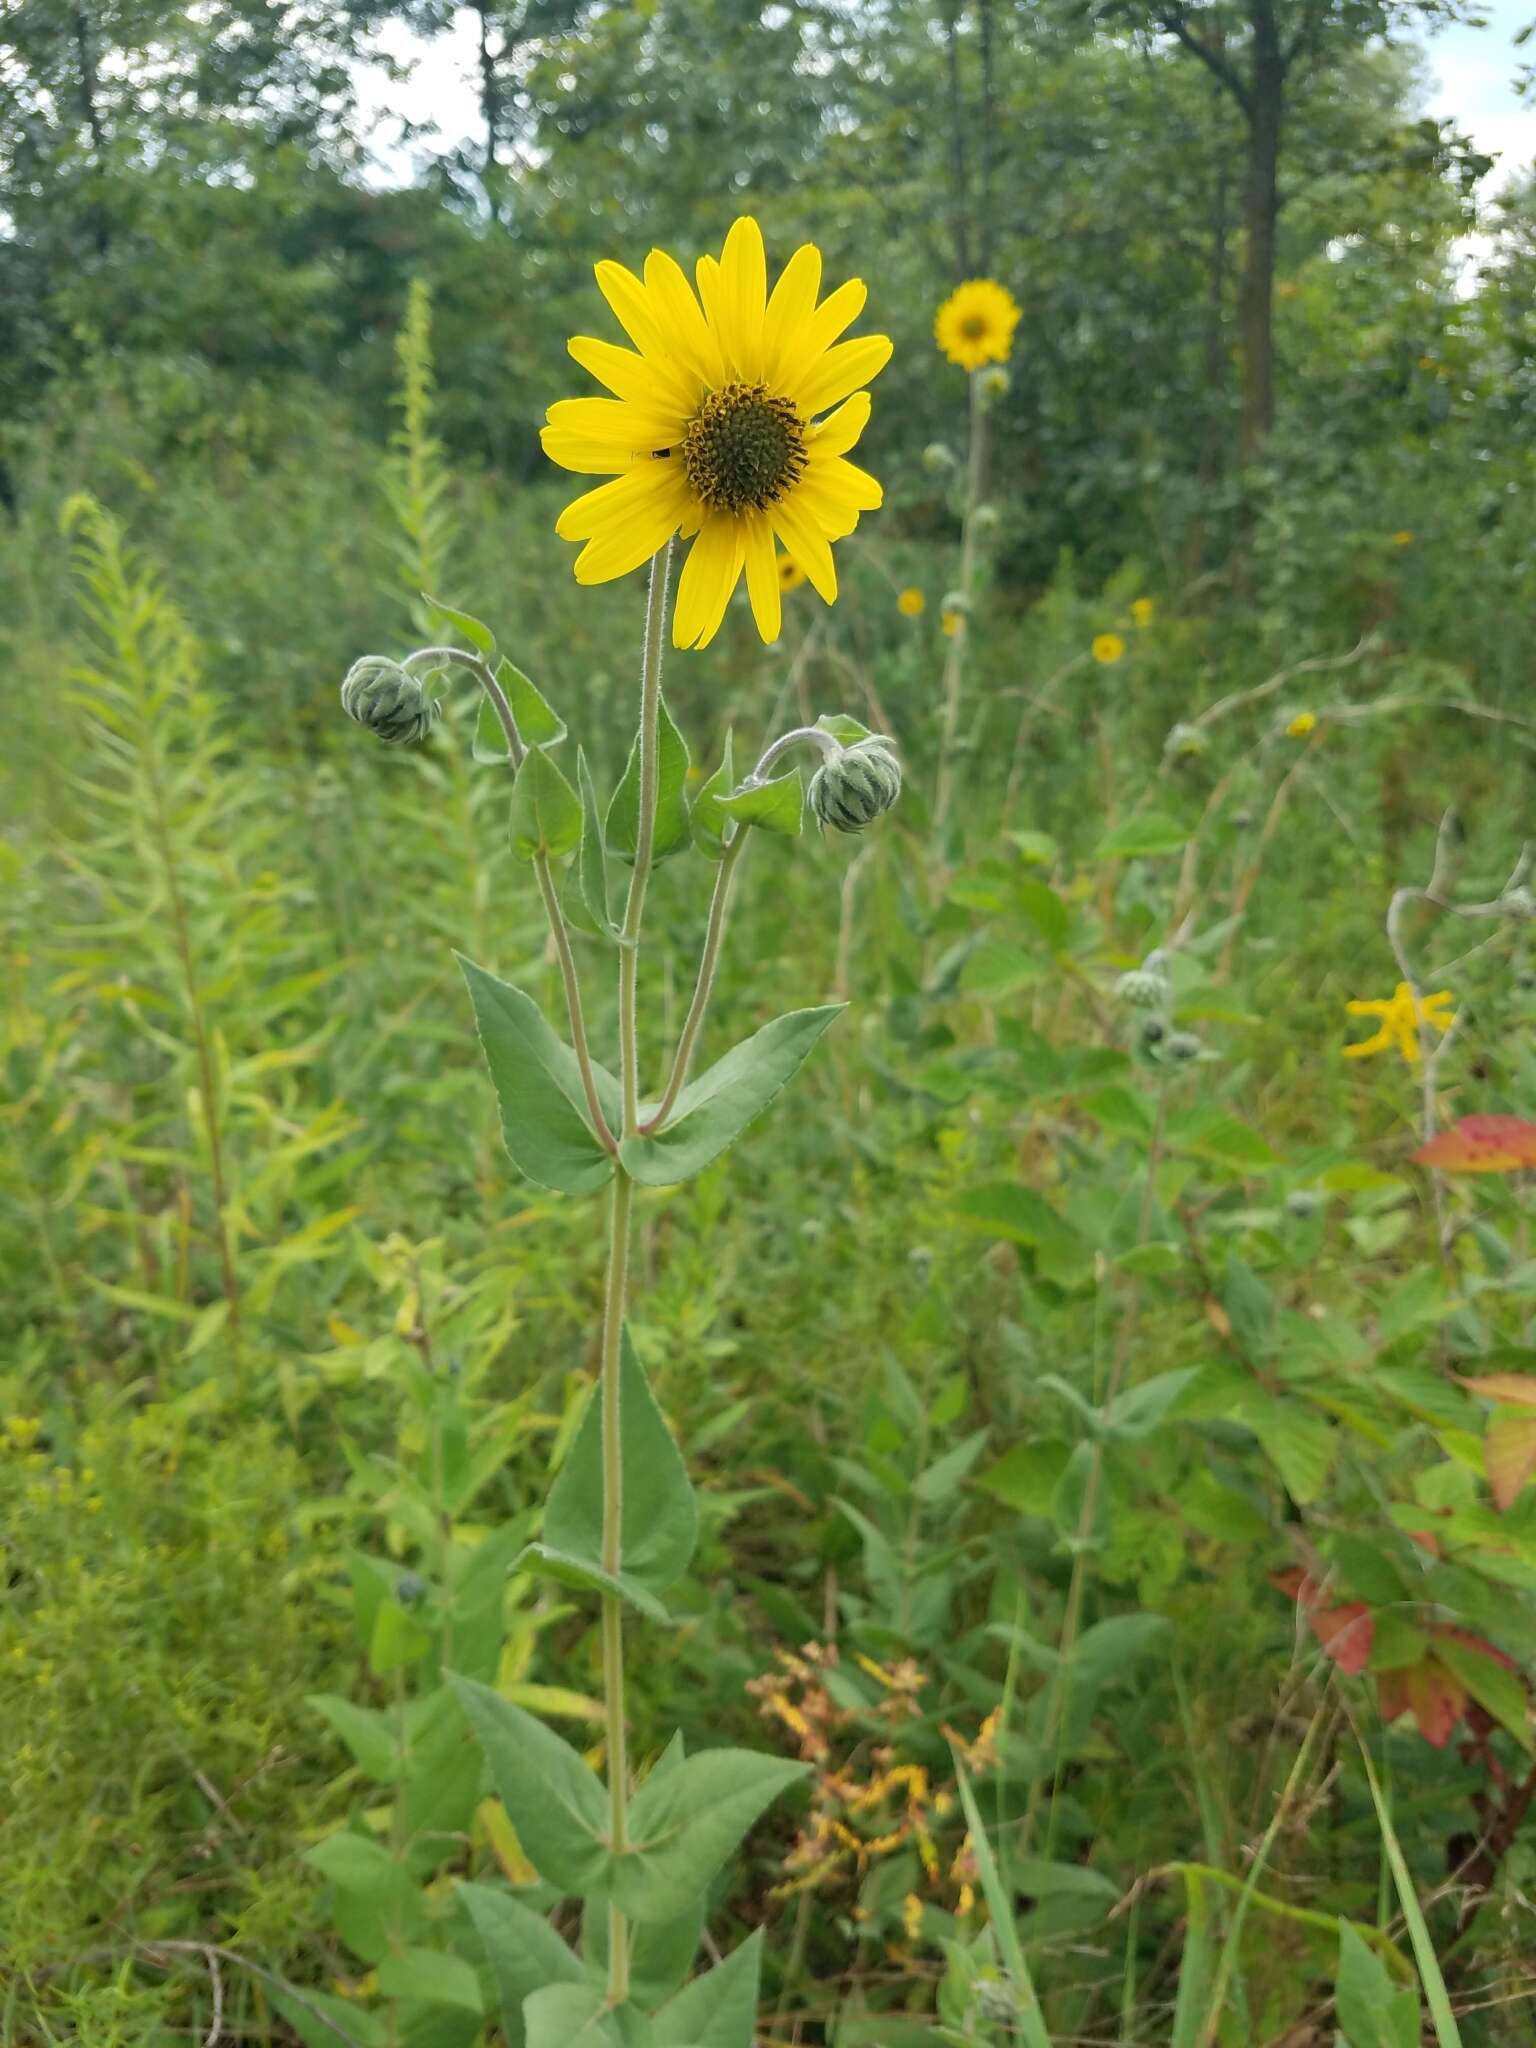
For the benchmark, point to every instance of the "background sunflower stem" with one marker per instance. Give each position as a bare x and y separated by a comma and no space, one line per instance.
954,664
709,961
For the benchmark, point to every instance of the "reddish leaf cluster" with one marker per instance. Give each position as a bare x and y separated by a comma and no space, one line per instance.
1482,1144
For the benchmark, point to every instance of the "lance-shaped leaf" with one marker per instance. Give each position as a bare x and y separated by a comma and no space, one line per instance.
719,2009
1509,1454
573,2016
592,864
845,730
474,630
712,1112
546,812
684,1823
660,1514
523,1950
538,1085
661,1952
553,1798
672,831
775,806
1482,1144
709,815
538,723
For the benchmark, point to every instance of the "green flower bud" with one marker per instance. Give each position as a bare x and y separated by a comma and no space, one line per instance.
1302,1203
389,700
1184,742
1144,988
1183,1046
995,383
855,785
985,518
937,457
996,2001
955,601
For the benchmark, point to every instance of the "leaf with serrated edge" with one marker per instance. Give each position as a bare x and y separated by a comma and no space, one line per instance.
538,1086
553,1798
712,1112
684,1824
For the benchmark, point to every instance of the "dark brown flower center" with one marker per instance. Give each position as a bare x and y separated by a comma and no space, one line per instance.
973,326
743,449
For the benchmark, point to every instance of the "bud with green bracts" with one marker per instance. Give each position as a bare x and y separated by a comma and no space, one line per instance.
856,784
389,700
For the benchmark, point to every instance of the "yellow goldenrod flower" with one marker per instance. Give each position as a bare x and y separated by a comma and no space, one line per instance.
1403,539
912,1916
975,323
911,603
1400,1022
1108,648
952,623
791,575
720,428
1303,723
1144,610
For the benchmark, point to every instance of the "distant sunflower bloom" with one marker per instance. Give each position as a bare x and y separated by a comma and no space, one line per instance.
951,623
1303,723
975,323
1144,611
1107,649
1400,1020
720,428
791,575
911,603
1404,539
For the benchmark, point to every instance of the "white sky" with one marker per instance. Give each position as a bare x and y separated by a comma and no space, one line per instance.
1473,72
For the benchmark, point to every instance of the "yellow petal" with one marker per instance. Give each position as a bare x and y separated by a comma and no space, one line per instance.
837,310
652,386
794,297
634,494
618,549
804,539
1367,1045
845,483
708,578
586,456
744,276
839,430
615,421
627,296
763,576
677,312
841,370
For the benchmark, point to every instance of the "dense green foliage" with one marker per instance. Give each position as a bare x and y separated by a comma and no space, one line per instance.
1071,1367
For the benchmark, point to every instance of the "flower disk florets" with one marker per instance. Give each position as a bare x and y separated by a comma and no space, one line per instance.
744,449
856,785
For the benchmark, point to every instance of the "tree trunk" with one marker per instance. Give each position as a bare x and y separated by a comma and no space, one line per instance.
490,92
1261,212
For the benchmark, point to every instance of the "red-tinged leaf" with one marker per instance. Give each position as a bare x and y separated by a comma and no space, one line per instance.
1514,1389
1392,1694
1426,1539
1509,1454
1346,1634
1480,1644
1482,1144
1294,1583
1436,1700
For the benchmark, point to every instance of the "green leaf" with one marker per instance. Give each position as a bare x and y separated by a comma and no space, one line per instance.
1044,909
321,2020
1025,1217
1041,1880
660,1513
1299,1441
661,1952
1497,1690
538,1085
1139,837
524,1952
776,806
570,2016
719,2009
553,1798
1447,2033
1373,2012
490,745
433,1975
465,624
684,1823
712,1112
546,812
1030,2021
366,1732
538,724
709,815
672,833
844,730
592,866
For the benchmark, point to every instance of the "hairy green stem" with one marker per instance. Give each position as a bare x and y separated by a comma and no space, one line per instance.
645,837
954,663
709,961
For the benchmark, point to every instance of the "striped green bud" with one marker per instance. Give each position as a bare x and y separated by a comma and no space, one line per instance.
855,785
389,700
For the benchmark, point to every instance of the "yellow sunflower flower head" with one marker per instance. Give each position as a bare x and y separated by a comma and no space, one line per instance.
975,323
1144,610
911,602
1303,723
730,423
791,575
1107,649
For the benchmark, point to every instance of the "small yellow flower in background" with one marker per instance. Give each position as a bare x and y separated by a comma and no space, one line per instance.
23,1431
975,323
912,1915
1144,611
720,428
791,575
1303,723
911,603
952,623
1108,648
1400,1021
1403,539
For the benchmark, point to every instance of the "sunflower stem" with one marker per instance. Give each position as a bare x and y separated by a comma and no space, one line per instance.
954,663
709,961
618,1263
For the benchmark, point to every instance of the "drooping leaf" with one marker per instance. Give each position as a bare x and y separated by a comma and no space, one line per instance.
660,1511
709,817
713,1111
845,730
1482,1144
478,634
538,1085
546,812
592,866
719,2009
775,806
684,1823
553,1798
523,1950
672,832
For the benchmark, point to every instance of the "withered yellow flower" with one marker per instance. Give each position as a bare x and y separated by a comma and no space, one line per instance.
1400,1021
730,423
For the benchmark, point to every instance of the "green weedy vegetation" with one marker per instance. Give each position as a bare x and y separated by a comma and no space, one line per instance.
1078,1539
